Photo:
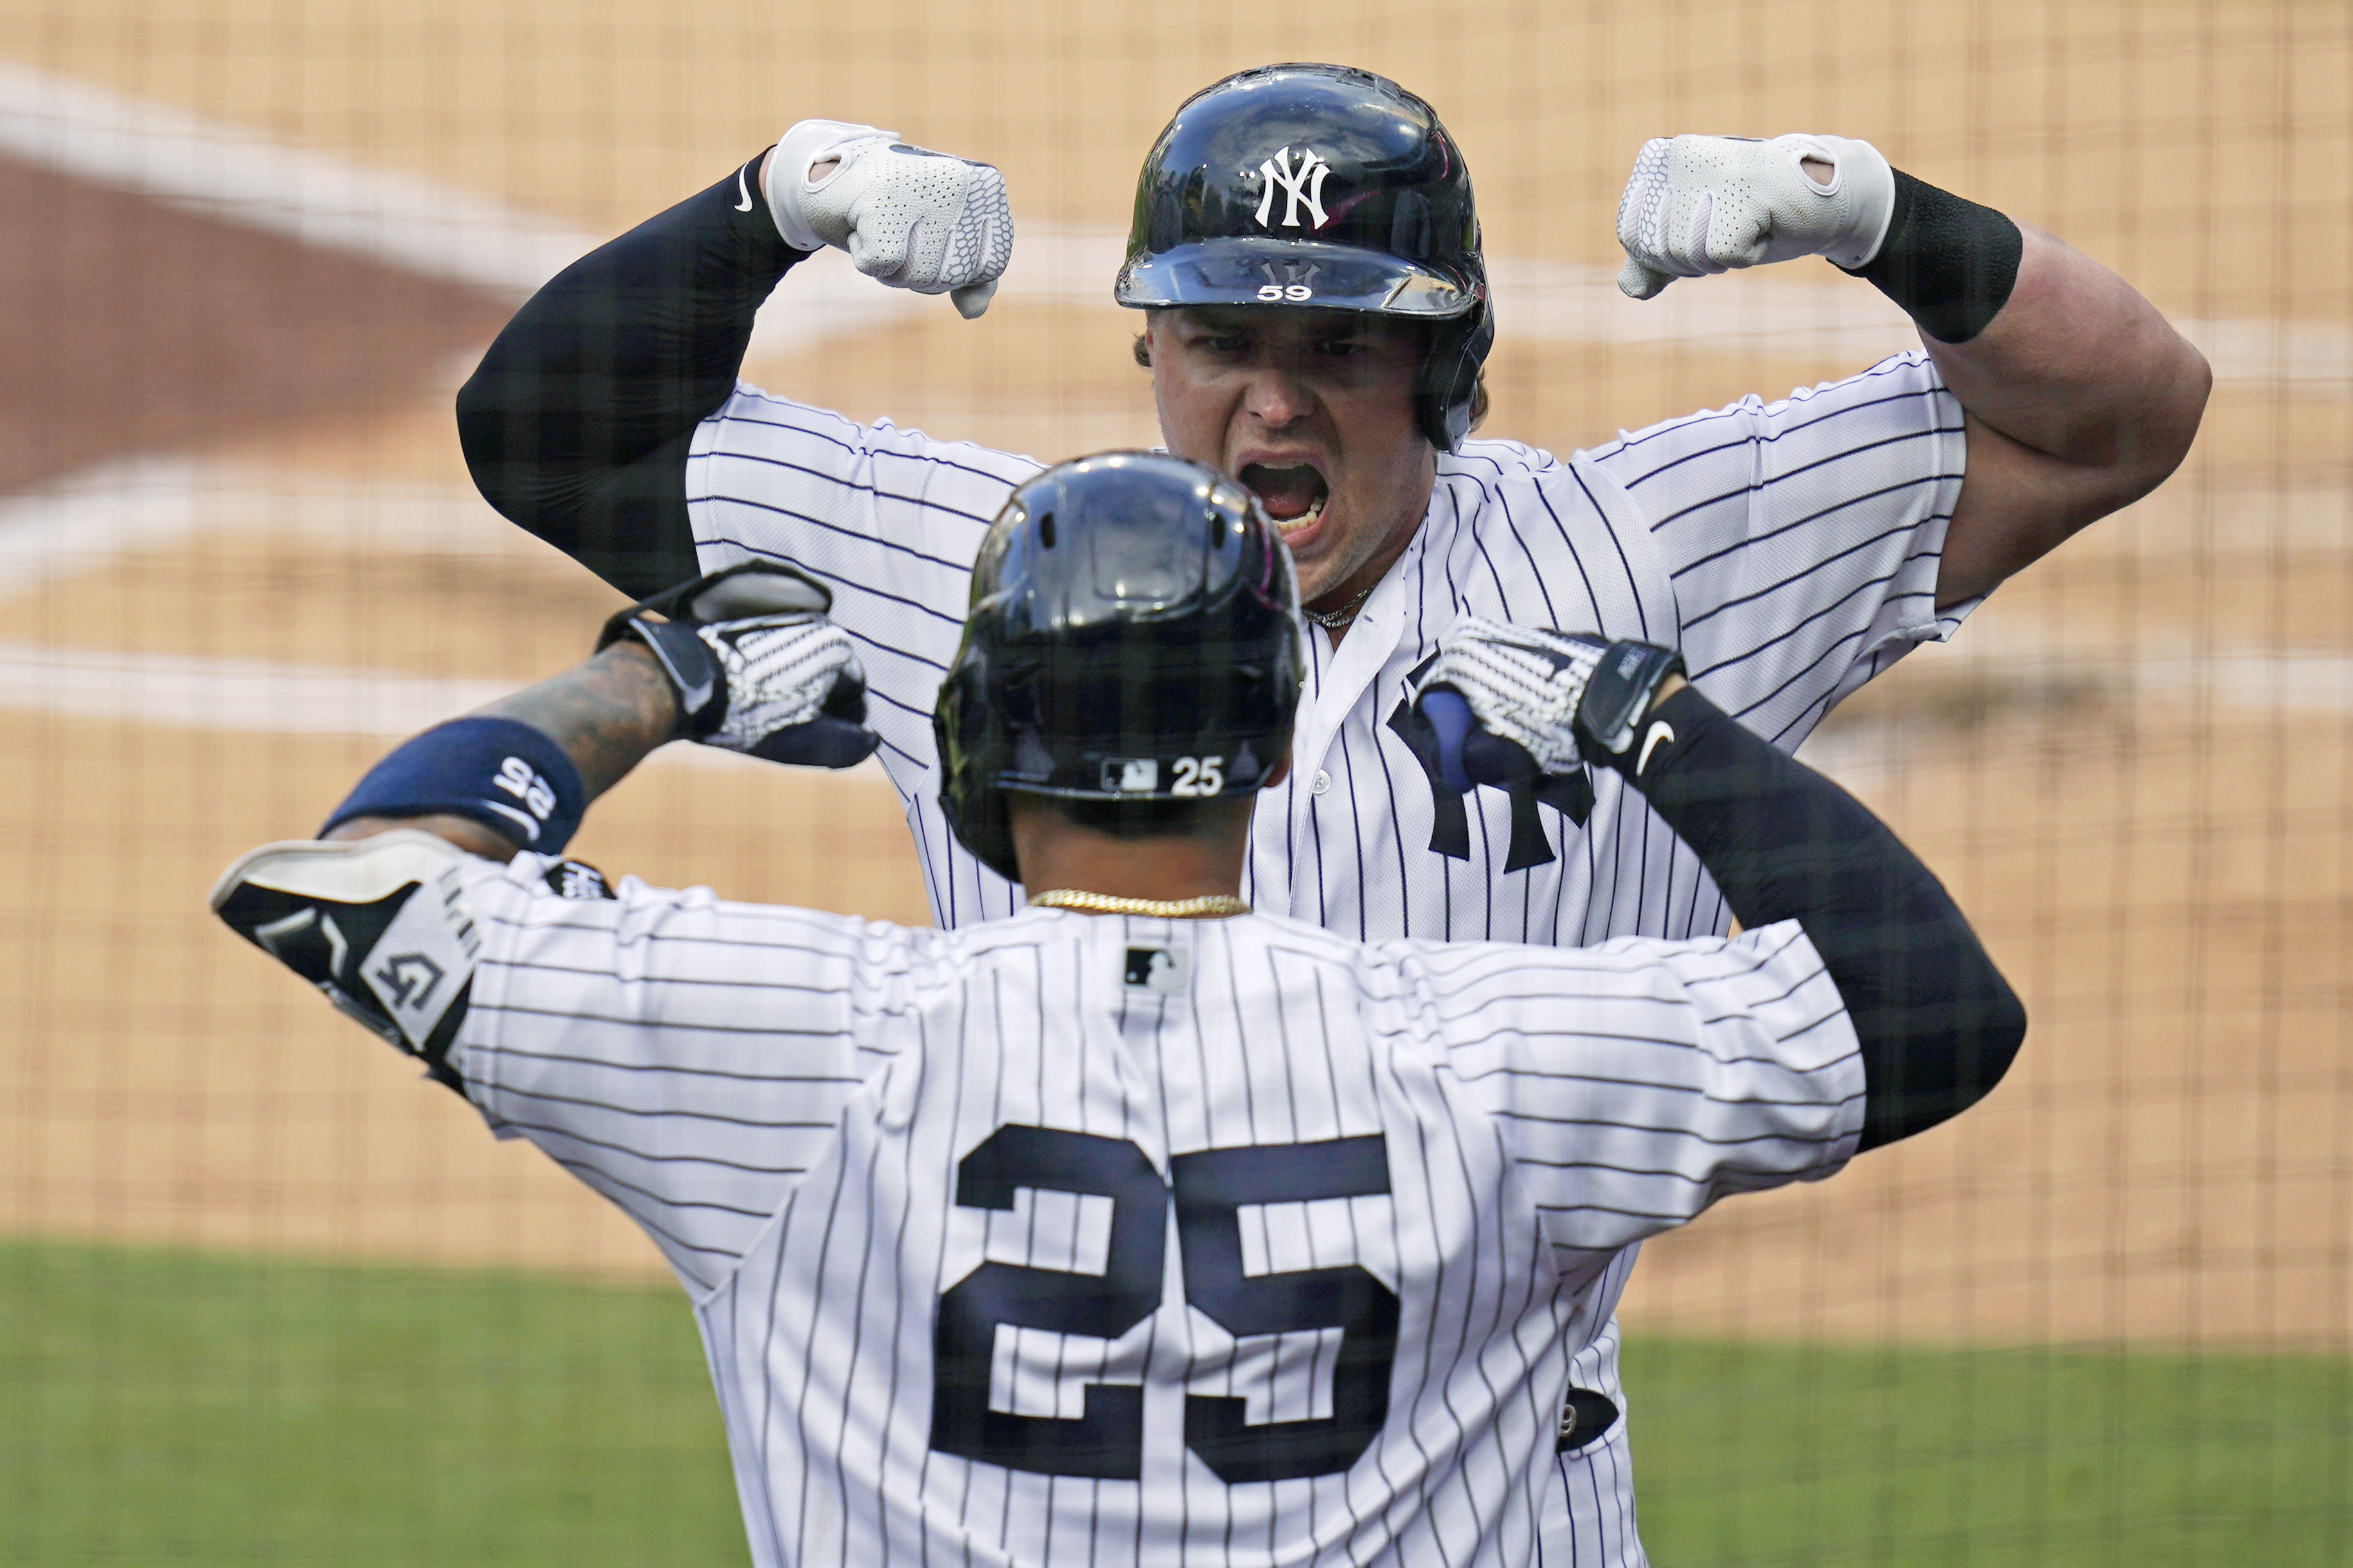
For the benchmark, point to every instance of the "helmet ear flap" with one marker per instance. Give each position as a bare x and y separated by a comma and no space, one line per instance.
965,743
1446,390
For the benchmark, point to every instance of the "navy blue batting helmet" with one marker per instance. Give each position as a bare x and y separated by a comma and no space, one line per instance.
1132,635
1321,187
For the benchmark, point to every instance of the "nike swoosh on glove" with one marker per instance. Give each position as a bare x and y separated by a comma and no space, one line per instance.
757,666
909,217
1700,204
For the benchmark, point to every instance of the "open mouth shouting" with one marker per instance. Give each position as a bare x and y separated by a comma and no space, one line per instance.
1293,490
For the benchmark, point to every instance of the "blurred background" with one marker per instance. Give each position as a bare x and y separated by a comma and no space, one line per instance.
265,1297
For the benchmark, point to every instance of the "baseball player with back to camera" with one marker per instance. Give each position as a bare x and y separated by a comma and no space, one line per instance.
1134,1226
1305,258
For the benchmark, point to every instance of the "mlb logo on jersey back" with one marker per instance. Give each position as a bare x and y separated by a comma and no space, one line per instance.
1157,969
1130,775
577,879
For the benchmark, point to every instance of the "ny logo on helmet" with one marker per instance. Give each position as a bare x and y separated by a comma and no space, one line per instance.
1303,183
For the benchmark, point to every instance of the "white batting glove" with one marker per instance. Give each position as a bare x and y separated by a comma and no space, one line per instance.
1698,205
909,217
1522,684
756,667
782,672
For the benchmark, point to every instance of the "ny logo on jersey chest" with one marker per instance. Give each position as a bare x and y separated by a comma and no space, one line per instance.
1571,795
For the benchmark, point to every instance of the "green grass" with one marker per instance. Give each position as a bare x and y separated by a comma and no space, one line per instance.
160,1407
1760,1456
164,1407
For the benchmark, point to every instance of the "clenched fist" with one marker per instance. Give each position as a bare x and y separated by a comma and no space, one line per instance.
909,217
1698,205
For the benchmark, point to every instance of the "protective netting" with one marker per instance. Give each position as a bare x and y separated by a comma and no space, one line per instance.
264,1296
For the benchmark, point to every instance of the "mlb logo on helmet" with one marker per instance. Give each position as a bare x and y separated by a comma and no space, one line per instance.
1130,775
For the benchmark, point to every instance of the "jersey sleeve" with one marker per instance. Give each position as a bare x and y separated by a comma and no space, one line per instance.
1801,538
685,1056
1635,1083
890,520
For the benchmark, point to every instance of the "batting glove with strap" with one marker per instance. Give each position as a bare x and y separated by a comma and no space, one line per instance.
757,666
1697,205
1510,702
909,217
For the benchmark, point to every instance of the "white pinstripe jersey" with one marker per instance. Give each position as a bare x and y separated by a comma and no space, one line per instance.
1081,1240
1788,549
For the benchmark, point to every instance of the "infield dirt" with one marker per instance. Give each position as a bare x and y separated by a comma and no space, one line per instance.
2165,868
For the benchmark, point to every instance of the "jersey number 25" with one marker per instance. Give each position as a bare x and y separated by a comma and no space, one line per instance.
1209,1189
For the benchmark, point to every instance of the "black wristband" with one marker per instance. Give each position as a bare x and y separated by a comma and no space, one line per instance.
1619,694
1949,262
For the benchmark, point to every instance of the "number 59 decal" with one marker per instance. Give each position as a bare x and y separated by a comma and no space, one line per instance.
1285,293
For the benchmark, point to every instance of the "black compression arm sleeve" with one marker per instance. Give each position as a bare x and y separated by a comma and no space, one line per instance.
1938,1025
576,423
1949,262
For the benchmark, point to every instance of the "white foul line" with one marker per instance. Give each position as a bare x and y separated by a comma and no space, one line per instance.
256,696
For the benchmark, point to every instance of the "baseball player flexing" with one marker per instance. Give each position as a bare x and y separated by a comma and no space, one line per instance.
1315,314
1136,1227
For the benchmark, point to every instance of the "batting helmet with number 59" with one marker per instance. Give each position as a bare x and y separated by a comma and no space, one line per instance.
1321,187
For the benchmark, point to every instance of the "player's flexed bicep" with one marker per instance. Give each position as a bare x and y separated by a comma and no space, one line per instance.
578,421
1801,538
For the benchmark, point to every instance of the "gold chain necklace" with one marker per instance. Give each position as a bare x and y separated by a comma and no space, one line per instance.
1333,620
1206,906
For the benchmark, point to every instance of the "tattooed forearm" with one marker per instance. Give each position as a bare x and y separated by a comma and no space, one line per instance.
608,714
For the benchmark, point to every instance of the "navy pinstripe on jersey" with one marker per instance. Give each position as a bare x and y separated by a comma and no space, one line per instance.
795,1106
1790,548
